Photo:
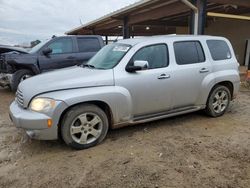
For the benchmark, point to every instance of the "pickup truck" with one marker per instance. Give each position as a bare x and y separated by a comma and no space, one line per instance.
56,53
6,48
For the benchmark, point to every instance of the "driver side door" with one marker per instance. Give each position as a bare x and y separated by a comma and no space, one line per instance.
62,55
150,89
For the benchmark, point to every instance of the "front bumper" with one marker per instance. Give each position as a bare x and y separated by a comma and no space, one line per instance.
34,123
5,79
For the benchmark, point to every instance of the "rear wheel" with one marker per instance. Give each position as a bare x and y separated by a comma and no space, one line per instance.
18,77
84,126
218,101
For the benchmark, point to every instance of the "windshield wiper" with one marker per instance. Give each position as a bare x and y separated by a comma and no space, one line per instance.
88,65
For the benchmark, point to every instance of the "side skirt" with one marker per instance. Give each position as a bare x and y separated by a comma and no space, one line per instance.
159,115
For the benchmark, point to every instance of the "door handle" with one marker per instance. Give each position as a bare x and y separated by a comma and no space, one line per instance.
163,76
204,70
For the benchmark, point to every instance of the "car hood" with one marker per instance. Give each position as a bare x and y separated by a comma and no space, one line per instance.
15,54
16,58
12,50
68,78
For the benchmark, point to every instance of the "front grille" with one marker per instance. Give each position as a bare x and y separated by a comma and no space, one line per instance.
19,97
3,66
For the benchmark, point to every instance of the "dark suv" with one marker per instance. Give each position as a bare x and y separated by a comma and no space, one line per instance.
59,52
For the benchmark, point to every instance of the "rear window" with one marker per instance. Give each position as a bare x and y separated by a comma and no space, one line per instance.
188,52
219,50
88,44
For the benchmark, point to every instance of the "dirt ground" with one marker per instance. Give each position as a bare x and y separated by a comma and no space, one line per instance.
192,150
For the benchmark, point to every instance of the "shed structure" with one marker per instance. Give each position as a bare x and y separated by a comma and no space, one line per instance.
229,18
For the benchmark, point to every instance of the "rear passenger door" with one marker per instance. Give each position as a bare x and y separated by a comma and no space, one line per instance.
87,48
190,70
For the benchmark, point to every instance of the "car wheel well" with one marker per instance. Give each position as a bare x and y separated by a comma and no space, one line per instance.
227,84
104,106
19,67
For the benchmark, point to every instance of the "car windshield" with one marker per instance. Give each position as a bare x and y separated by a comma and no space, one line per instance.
109,56
37,47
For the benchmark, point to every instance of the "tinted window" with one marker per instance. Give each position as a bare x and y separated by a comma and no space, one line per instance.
88,44
219,49
188,52
156,55
64,45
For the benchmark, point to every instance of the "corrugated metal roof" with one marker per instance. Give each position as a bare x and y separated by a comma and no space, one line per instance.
121,11
161,16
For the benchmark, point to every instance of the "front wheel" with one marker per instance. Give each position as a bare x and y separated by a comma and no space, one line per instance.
84,126
218,101
18,77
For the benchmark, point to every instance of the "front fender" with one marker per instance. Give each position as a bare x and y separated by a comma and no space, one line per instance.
27,63
117,98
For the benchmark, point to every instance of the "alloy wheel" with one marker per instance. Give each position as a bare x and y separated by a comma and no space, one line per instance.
24,77
86,128
220,101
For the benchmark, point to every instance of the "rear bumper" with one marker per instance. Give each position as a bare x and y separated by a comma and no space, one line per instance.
34,123
236,86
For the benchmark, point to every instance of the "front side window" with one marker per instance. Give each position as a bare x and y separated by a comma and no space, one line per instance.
155,55
61,46
88,44
109,56
219,50
188,52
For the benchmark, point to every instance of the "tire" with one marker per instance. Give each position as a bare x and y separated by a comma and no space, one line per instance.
84,126
18,77
218,101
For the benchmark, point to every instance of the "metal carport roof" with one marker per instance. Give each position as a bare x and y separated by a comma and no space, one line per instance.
150,17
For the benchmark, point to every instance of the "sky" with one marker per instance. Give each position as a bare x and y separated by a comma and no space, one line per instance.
22,21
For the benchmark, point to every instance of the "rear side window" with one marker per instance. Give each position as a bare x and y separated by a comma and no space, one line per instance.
156,55
219,50
88,44
188,52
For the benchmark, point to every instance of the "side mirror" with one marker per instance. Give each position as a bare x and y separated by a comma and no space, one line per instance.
47,51
138,65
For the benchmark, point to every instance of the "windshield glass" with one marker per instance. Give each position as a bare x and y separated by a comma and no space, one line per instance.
37,47
109,56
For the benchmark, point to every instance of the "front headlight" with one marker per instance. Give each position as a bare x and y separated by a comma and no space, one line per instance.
42,104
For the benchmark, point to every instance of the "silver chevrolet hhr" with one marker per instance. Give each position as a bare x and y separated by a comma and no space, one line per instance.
128,82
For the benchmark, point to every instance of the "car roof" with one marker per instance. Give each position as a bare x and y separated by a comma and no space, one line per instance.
87,36
135,41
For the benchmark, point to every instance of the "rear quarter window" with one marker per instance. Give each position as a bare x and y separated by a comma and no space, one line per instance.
88,44
219,50
188,52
